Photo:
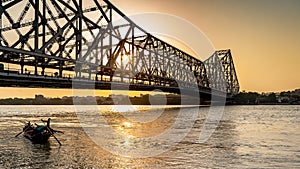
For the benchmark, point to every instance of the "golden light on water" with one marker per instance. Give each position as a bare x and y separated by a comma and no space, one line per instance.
123,108
126,128
139,122
126,124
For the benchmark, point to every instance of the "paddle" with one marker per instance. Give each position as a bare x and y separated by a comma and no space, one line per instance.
53,135
57,131
54,131
50,129
19,133
23,130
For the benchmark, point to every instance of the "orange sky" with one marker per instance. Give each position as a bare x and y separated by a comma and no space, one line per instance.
263,36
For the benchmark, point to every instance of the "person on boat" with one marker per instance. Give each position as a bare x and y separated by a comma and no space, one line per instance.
48,122
29,126
40,128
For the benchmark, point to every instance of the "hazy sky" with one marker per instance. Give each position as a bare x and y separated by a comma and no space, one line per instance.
263,35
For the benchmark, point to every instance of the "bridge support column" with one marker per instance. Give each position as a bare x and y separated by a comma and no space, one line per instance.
43,71
60,69
122,68
36,35
22,66
90,74
1,8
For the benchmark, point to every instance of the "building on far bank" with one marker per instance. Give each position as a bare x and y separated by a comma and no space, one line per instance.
39,97
297,92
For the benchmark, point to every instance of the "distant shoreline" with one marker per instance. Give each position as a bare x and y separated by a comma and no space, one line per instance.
205,105
242,98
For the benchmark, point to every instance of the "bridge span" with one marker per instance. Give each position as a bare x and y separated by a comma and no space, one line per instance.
46,45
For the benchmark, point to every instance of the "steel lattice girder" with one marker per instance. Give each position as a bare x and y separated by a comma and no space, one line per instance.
63,36
232,82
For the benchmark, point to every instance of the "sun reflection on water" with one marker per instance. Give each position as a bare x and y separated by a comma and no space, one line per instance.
126,124
131,123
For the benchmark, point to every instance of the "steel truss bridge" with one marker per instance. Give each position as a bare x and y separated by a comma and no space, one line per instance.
54,43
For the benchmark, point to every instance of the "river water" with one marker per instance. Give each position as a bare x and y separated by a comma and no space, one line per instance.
246,137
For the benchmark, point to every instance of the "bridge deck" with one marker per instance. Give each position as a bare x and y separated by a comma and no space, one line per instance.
33,81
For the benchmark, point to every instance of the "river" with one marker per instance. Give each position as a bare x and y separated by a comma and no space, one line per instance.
246,137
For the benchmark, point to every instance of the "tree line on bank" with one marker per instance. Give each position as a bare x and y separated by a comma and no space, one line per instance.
252,98
242,98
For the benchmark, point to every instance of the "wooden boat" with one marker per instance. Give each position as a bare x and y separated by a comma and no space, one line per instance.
39,133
